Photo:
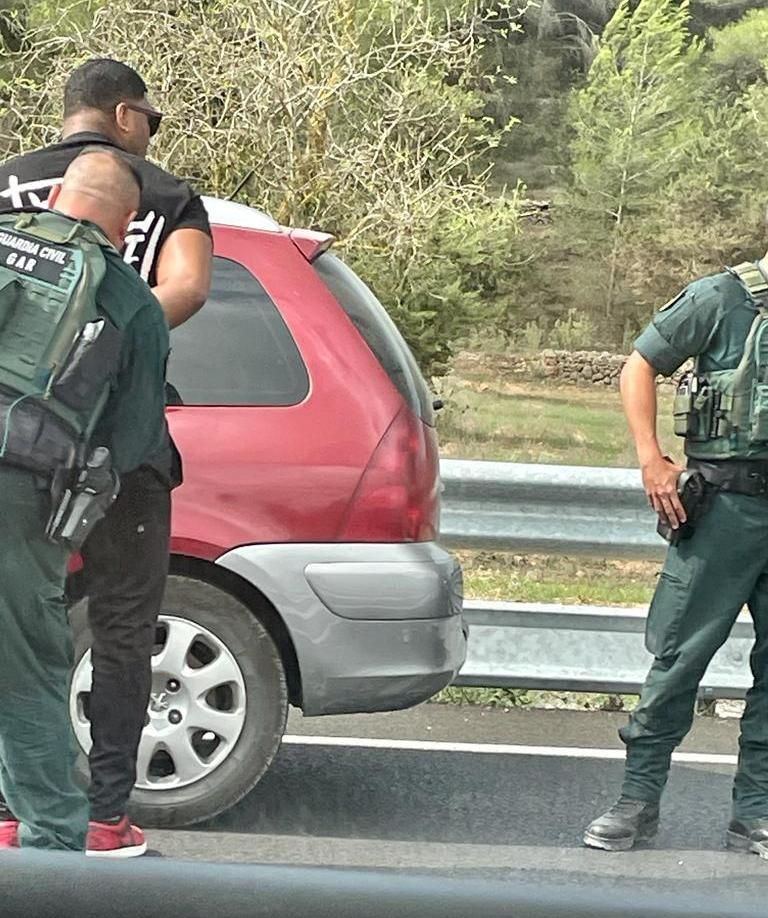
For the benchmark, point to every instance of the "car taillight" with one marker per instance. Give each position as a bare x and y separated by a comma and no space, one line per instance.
397,498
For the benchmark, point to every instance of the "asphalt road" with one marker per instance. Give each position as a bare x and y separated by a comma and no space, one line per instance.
393,792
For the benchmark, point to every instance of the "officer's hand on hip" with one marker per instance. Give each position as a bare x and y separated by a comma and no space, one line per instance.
660,477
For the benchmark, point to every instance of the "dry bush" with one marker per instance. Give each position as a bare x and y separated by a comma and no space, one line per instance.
360,117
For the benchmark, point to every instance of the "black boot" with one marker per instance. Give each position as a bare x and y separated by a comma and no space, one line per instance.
748,835
627,822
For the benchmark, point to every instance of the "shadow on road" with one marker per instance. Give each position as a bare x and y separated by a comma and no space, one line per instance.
459,797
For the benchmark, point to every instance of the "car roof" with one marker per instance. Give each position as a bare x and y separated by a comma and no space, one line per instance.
232,213
310,243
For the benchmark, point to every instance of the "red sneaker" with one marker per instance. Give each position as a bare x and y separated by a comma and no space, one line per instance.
119,839
9,834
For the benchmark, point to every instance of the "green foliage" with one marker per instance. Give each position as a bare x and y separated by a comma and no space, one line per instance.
19,18
739,55
574,332
642,121
532,337
718,191
453,278
556,47
655,166
631,121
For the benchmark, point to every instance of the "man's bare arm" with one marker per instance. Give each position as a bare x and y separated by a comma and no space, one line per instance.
638,393
183,274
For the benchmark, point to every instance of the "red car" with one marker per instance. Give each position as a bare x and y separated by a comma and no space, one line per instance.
305,568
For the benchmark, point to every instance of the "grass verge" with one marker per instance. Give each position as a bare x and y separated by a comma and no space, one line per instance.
537,578
535,422
507,698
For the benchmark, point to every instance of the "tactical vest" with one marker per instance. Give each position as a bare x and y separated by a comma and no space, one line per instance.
58,353
723,414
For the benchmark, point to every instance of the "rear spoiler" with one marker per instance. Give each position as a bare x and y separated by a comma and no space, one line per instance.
311,243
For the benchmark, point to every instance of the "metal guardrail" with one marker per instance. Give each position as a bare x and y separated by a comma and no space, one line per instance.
53,885
549,509
582,649
564,510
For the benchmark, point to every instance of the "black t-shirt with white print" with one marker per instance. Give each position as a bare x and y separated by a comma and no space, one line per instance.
167,203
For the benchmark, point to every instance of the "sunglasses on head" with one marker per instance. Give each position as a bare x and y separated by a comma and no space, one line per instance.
153,116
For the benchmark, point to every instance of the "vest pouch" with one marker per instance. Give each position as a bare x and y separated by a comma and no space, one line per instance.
90,366
692,408
33,437
682,406
758,431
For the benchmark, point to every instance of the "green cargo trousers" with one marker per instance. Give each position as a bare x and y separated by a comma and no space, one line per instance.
704,584
37,747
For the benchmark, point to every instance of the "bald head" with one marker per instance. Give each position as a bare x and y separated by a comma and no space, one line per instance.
100,186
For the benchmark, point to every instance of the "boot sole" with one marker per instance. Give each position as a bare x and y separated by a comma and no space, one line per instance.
621,844
743,845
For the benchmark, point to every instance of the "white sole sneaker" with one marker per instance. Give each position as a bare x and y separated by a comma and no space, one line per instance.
120,853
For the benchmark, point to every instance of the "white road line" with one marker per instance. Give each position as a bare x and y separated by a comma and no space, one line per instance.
568,752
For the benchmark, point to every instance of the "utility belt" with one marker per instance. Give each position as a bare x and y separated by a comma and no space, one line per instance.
739,476
702,480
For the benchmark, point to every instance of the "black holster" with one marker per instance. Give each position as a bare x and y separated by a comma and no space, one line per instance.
80,503
695,493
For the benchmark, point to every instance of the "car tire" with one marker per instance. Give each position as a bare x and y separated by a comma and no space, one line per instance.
225,619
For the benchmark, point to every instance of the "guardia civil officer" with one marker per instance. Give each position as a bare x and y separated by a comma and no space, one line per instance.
126,560
106,390
721,409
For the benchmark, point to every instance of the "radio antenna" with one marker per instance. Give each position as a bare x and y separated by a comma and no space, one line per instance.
242,184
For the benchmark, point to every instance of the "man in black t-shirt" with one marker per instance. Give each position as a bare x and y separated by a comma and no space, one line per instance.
126,557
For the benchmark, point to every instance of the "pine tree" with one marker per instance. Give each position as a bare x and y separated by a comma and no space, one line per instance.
631,120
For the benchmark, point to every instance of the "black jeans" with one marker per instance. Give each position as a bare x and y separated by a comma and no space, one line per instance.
126,564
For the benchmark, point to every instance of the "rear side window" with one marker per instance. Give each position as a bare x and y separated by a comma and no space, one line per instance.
379,331
236,350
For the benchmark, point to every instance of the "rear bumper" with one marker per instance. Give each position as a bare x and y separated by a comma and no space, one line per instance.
375,627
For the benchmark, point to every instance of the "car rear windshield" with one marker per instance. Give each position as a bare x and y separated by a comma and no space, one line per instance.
236,350
379,331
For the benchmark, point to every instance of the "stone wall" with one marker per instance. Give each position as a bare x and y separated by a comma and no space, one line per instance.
591,368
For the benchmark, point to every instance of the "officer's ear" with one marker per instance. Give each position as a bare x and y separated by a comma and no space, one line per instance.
53,197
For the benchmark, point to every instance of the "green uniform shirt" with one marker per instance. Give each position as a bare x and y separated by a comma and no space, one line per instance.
710,320
133,422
